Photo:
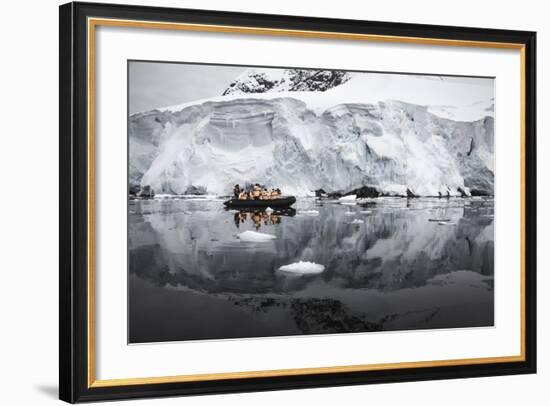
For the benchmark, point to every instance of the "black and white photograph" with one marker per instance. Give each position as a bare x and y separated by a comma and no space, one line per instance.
279,201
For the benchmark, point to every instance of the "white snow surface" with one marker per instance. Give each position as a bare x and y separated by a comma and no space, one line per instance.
437,140
254,236
303,267
443,96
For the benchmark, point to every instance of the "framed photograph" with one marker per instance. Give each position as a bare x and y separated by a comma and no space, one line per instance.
256,202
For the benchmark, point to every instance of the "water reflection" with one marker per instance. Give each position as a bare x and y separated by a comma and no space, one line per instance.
258,218
389,264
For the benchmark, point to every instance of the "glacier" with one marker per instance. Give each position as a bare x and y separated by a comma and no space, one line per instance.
345,137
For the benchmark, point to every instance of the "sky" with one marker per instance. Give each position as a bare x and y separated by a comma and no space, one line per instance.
158,84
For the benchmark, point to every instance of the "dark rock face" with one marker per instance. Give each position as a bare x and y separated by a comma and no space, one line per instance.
320,193
195,190
259,81
146,192
317,316
365,191
133,190
479,192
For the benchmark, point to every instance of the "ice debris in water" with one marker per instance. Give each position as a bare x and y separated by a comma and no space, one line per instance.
357,221
254,236
309,212
303,267
269,210
349,198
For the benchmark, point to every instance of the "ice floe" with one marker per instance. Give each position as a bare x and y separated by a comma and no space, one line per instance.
348,199
254,236
303,267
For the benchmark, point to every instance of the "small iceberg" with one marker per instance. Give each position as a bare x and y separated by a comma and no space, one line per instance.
303,268
366,212
269,210
348,199
309,212
357,221
254,236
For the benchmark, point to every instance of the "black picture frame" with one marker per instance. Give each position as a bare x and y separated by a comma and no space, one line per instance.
74,382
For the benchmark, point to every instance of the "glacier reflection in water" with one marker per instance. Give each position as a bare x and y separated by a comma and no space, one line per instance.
389,264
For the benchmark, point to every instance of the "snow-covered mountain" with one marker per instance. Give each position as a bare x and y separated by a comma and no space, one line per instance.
437,140
279,80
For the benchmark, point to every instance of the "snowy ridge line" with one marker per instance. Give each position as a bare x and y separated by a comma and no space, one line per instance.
444,98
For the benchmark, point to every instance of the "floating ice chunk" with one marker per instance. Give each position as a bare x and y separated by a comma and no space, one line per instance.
350,213
366,200
269,210
303,267
365,211
309,212
254,236
446,223
357,221
348,199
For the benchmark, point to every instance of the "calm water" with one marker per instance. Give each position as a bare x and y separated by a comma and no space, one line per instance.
388,266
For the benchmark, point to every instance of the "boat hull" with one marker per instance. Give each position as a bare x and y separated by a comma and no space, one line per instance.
260,204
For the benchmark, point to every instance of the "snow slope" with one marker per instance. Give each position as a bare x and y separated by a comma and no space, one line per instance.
344,137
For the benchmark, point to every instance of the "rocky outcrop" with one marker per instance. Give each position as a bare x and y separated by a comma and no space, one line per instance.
278,80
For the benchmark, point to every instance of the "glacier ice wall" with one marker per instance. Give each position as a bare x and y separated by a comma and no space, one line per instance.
393,146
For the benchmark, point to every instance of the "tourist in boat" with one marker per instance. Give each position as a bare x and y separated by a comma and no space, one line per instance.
256,192
236,190
243,195
276,194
